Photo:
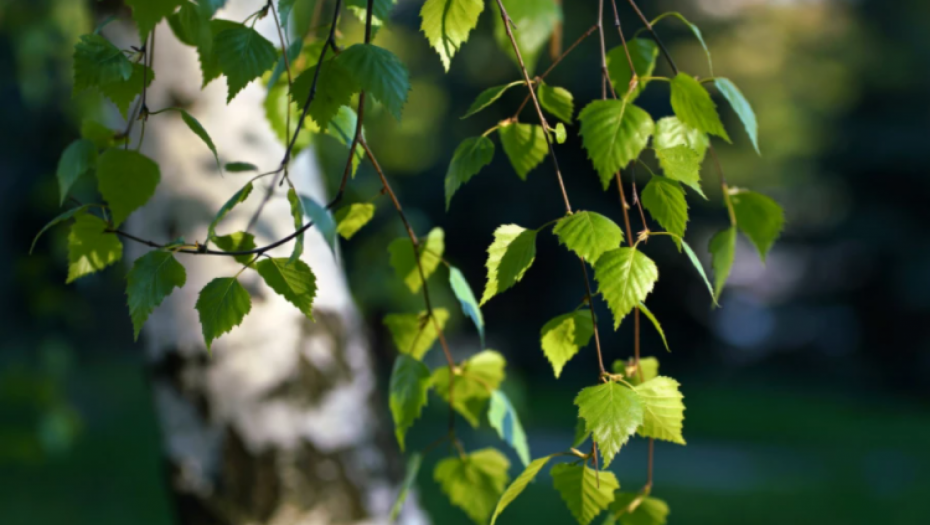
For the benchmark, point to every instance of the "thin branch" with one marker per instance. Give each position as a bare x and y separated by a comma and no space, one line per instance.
655,36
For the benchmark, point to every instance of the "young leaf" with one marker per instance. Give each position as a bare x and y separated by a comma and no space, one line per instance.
414,334
612,413
479,377
504,420
334,89
759,217
474,483
127,180
57,220
693,106
466,298
78,158
649,366
223,304
643,52
410,382
637,509
292,280
671,132
413,468
525,146
584,490
405,263
722,250
446,24
581,433
297,214
560,134
352,218
488,97
123,92
199,130
242,54
700,268
625,277
90,247
239,167
237,242
322,220
663,409
519,485
614,132
147,13
556,100
98,62
655,322
563,337
665,201
380,73
237,198
534,21
742,108
588,234
683,164
470,156
152,278
509,257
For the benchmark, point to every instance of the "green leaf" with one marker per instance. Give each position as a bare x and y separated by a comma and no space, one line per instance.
648,365
334,89
447,23
352,218
239,167
292,280
665,201
637,509
381,10
59,219
127,180
588,234
664,412
413,468
519,485
191,24
243,55
474,483
643,52
277,105
470,156
488,97
90,247
284,11
722,250
237,242
759,217
466,298
410,381
293,53
237,198
584,490
581,433
123,92
102,136
525,146
503,418
199,130
535,20
297,214
693,106
405,264
556,100
78,158
614,133
380,73
223,304
152,278
563,337
560,134
625,277
612,413
342,128
206,49
509,257
683,164
655,323
694,29
671,132
147,13
479,376
98,62
742,108
322,219
700,268
415,334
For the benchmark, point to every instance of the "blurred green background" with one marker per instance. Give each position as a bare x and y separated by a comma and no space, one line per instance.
807,391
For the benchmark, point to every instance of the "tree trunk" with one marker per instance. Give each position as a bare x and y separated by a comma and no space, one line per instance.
282,424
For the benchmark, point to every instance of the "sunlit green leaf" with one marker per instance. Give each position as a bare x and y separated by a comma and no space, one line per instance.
503,418
742,108
614,133
637,509
693,106
147,13
292,280
199,130
237,198
405,263
643,52
243,55
222,304
655,322
535,20
588,234
683,164
663,409
474,483
447,23
352,218
90,247
648,369
556,100
694,29
525,146
380,73
671,132
700,268
584,490
415,334
98,62
665,201
612,413
297,215
625,277
479,376
123,92
237,242
410,381
334,89
759,217
722,250
473,154
152,278
488,97
57,220
519,485
563,337
127,180
509,257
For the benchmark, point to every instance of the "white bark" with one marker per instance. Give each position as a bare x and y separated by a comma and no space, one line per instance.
279,425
